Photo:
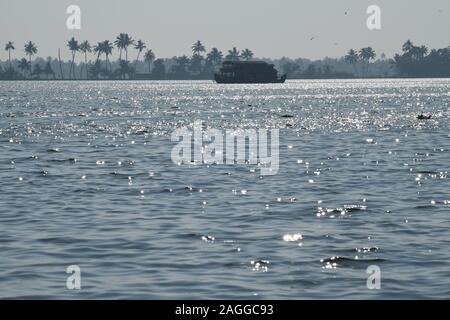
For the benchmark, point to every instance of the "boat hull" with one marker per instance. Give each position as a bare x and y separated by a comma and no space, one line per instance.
220,79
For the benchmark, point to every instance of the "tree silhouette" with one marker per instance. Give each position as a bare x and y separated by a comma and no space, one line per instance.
180,68
159,69
123,41
407,46
125,69
149,56
247,54
37,70
30,50
140,46
352,58
98,49
85,47
290,68
215,56
73,46
233,54
107,50
9,46
24,66
367,54
418,53
198,48
418,61
195,65
120,43
95,69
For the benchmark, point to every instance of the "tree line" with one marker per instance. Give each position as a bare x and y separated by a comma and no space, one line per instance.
97,63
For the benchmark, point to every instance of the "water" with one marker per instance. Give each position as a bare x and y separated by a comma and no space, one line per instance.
87,179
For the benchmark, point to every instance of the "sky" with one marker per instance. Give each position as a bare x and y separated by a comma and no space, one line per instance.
270,28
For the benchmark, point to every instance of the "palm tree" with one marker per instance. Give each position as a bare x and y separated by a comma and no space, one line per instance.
247,54
73,46
9,46
233,55
107,50
352,58
24,66
128,42
122,42
30,50
140,46
98,49
149,56
367,54
198,48
215,56
85,47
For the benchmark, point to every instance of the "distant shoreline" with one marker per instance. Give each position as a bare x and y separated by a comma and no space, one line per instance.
212,80
411,63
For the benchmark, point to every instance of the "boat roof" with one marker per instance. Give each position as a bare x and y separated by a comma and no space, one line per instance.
245,62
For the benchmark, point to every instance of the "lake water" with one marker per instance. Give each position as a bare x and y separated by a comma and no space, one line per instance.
86,179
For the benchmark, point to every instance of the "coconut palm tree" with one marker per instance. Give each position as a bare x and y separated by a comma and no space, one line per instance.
122,42
30,50
85,47
128,42
198,48
9,46
140,46
352,58
98,49
73,46
107,50
24,66
247,54
149,56
367,54
215,56
233,54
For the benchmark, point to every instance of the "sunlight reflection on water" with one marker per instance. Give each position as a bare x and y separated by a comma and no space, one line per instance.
87,178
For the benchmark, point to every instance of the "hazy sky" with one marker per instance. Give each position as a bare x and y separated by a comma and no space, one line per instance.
271,28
